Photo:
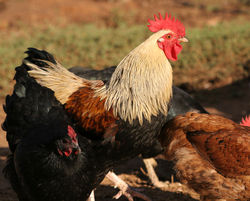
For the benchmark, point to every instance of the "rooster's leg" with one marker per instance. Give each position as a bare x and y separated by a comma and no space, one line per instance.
92,196
125,189
150,164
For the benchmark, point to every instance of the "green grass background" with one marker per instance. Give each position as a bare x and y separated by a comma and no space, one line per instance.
213,54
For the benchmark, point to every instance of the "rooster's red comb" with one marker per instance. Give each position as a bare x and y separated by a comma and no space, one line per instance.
166,23
246,121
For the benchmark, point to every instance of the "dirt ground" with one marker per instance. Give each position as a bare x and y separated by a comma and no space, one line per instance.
231,101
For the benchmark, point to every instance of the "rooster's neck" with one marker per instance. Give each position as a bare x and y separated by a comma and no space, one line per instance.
141,85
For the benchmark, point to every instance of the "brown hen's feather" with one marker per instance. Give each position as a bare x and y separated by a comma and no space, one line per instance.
228,152
211,155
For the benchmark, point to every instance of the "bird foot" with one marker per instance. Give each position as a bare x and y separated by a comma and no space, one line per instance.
125,189
160,184
130,193
92,196
150,164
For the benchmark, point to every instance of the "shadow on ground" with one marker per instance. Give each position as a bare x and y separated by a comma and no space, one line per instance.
232,100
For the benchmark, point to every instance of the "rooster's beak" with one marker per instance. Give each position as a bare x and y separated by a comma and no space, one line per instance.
183,39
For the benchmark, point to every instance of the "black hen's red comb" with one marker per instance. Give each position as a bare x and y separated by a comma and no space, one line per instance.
166,23
71,132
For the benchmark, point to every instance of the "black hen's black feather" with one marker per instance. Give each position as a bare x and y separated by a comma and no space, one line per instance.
34,55
29,105
36,123
91,74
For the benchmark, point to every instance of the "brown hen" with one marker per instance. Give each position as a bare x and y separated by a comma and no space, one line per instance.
211,155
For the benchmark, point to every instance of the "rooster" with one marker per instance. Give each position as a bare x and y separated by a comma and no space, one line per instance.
130,109
211,155
49,160
180,103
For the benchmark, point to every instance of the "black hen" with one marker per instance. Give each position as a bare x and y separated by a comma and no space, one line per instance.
48,160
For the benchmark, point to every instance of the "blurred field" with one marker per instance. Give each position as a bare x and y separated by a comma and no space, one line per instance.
214,66
222,50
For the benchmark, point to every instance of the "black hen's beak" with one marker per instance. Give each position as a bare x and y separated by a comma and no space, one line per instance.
76,149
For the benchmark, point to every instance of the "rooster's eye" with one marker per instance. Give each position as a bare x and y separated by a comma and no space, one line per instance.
168,36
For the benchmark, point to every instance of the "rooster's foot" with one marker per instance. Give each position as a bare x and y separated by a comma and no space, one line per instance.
125,189
150,164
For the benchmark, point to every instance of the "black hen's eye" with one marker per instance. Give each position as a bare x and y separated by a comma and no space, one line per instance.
65,141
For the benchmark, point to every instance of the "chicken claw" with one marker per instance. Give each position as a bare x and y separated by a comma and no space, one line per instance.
125,189
150,163
91,196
